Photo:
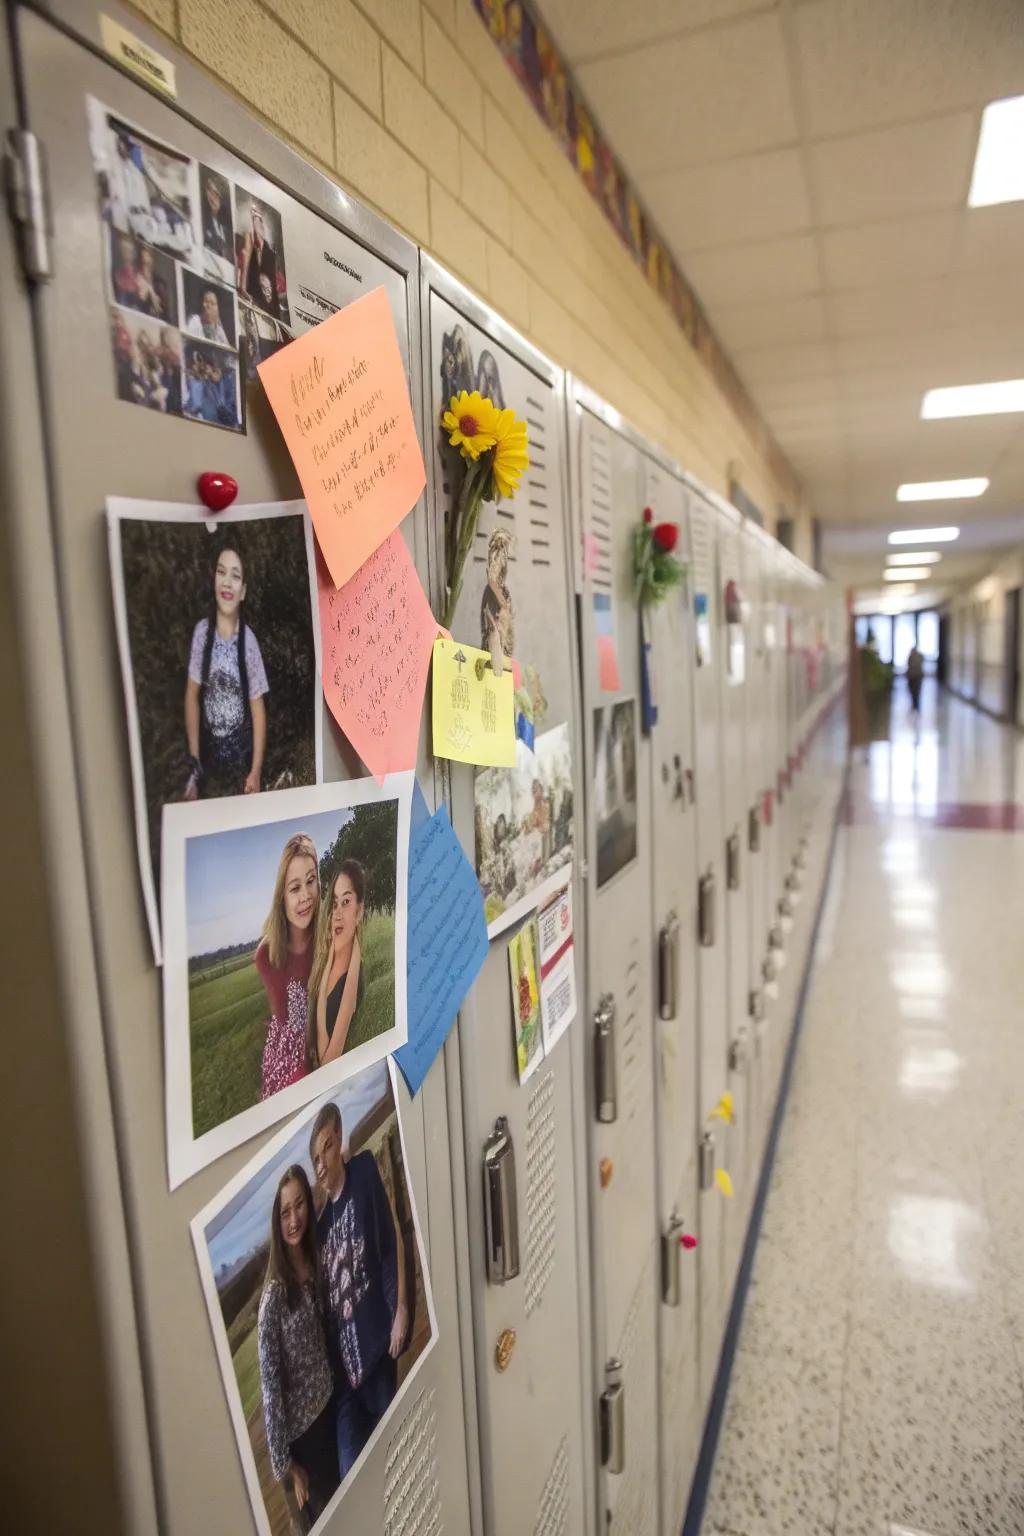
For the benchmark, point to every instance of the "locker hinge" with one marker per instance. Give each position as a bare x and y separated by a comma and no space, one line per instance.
28,202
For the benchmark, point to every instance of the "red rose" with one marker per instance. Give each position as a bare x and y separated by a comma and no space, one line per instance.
648,515
666,536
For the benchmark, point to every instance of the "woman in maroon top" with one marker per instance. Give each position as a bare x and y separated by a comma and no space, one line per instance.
284,959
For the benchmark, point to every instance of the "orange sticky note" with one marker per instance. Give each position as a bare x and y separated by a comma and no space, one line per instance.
341,400
376,637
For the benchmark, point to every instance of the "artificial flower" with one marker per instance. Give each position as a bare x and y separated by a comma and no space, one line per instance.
724,1182
648,515
666,536
511,452
470,422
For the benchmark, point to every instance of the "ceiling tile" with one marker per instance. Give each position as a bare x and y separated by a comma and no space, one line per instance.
889,310
999,299
704,97
989,238
607,26
889,252
895,170
745,327
769,269
807,362
752,198
868,62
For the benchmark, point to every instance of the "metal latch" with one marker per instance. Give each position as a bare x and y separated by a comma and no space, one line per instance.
613,1418
501,1213
706,909
732,861
738,1052
754,829
755,1005
668,967
604,1059
28,201
706,1160
671,1253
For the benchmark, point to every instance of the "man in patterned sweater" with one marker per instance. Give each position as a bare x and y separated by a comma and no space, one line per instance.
366,1314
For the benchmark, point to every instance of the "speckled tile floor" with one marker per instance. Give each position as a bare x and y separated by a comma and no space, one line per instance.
879,1377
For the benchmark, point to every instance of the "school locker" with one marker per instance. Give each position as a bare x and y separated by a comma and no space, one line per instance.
178,1468
527,1336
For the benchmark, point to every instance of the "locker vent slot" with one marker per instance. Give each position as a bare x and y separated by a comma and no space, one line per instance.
599,511
534,506
631,1047
703,547
636,1506
540,1190
553,1513
412,1493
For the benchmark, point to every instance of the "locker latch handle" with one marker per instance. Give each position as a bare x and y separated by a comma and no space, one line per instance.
706,1160
613,1419
501,1213
671,1255
668,967
706,908
732,861
604,1059
754,829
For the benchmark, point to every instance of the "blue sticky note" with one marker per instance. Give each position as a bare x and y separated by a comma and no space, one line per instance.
447,941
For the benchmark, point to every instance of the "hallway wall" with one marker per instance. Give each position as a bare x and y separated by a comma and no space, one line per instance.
410,104
978,664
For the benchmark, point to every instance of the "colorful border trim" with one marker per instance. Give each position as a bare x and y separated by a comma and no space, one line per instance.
530,52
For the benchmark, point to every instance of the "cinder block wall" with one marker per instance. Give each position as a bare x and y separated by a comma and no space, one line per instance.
409,104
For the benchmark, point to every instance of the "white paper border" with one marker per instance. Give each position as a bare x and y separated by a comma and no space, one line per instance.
186,1153
535,898
127,509
220,1339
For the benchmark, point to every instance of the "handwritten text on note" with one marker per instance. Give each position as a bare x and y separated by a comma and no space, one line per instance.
473,717
447,941
341,400
376,634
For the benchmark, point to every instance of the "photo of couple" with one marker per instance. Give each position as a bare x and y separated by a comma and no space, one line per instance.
284,965
319,1298
219,656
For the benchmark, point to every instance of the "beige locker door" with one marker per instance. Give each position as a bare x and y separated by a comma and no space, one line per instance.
99,446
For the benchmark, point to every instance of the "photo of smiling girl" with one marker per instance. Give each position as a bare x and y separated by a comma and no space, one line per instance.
283,962
225,713
336,988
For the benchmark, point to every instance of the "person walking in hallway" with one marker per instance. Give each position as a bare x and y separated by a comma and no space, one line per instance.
915,677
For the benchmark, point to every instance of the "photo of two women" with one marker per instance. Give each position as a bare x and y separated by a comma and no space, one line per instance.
320,1298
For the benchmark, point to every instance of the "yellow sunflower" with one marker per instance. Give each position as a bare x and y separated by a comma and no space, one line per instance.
511,453
470,423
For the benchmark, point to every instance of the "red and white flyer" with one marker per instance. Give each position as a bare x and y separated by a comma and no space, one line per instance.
557,967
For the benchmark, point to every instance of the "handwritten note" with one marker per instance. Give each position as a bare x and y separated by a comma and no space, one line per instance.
474,719
377,632
341,400
447,941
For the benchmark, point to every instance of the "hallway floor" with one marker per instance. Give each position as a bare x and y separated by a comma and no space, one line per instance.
879,1376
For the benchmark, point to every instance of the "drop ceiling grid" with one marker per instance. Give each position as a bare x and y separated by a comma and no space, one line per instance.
809,161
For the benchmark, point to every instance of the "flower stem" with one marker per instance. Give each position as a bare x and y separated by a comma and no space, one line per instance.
466,518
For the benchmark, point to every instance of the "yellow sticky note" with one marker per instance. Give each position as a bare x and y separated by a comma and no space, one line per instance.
473,714
724,1182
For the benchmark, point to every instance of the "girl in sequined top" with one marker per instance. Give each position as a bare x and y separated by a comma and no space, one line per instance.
295,1374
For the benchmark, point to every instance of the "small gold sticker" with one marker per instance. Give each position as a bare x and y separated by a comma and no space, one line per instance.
137,56
504,1348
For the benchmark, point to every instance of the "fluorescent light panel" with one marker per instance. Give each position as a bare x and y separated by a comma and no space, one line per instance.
914,557
906,572
924,535
942,490
996,399
999,162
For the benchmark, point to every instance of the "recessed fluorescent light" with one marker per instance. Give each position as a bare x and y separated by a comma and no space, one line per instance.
942,490
906,572
997,399
914,557
924,535
999,163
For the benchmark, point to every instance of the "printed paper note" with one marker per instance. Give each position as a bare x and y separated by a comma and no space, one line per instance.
523,975
447,941
377,632
341,400
557,968
473,712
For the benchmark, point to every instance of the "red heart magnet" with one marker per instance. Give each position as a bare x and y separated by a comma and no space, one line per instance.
216,491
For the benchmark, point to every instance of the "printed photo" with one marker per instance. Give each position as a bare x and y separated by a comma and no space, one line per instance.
284,954
147,361
261,337
259,256
212,392
615,787
217,224
316,1282
144,186
524,828
523,949
219,640
208,309
143,279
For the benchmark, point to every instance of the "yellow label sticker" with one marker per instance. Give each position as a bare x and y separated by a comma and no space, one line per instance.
473,713
137,56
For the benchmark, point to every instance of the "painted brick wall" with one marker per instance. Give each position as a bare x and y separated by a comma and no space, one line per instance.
409,104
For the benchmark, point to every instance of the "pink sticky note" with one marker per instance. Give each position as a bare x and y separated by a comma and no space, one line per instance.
376,635
607,665
341,400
